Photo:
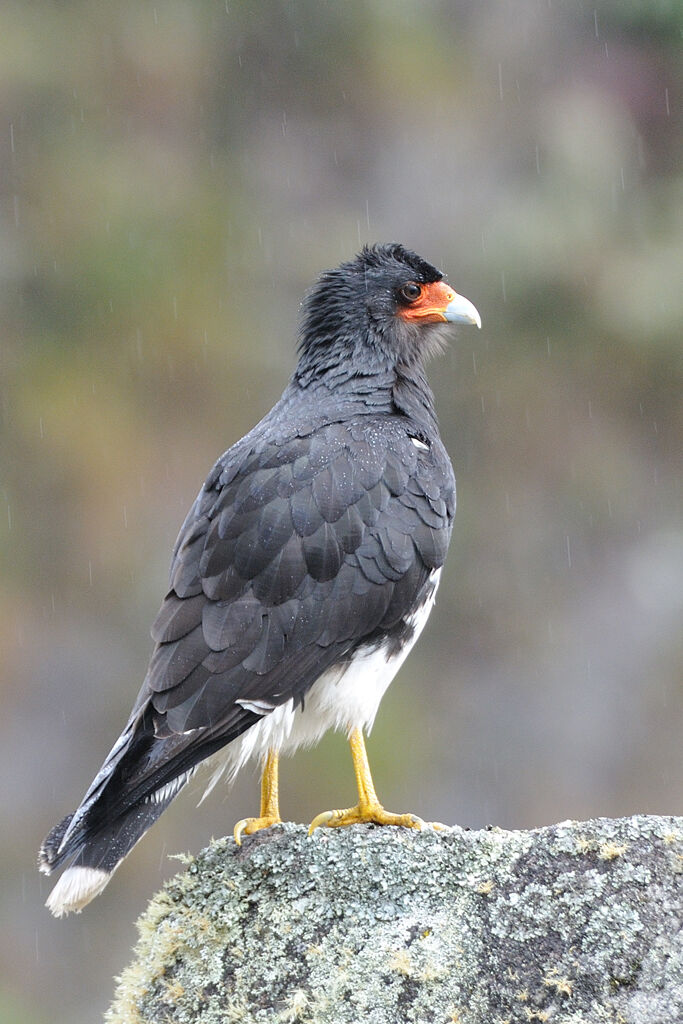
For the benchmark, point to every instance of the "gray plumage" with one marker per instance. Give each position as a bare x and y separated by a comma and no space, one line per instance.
313,538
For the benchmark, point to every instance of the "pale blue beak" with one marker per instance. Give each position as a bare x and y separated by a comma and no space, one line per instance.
461,311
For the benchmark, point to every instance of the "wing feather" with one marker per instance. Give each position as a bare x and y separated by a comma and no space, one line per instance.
296,551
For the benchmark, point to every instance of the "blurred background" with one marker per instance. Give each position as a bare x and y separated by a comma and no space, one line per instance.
173,176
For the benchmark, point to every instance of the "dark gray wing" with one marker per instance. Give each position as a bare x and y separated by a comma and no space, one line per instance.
292,556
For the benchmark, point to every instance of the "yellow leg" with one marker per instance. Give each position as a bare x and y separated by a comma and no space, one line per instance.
368,808
270,806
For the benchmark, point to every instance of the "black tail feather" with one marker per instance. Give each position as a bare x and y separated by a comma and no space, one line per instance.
103,840
105,845
49,856
100,852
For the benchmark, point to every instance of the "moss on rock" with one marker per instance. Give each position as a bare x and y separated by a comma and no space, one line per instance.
577,923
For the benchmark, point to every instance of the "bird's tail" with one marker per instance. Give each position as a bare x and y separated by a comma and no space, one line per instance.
96,844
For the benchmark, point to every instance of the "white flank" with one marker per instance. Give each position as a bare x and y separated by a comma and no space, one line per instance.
344,698
75,889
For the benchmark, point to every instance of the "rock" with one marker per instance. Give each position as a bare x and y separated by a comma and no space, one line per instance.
576,923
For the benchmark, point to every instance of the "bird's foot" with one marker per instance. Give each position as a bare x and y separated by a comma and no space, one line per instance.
247,826
367,812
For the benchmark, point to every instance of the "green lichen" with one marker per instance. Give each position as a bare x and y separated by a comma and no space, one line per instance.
571,924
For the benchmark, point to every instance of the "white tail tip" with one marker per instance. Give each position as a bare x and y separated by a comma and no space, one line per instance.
75,889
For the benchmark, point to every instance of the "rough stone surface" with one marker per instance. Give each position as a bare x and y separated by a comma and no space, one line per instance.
577,923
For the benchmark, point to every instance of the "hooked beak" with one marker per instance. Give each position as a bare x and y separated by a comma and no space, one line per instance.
438,302
461,311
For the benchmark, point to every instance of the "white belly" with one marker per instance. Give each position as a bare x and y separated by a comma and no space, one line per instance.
345,697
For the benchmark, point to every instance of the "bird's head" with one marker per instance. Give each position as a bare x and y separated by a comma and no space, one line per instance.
387,307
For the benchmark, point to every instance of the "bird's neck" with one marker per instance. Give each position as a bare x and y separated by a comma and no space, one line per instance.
377,390
413,397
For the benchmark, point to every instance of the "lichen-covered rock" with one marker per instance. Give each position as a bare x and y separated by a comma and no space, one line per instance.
578,923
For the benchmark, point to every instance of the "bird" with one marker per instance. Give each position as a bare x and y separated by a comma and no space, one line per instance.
302,576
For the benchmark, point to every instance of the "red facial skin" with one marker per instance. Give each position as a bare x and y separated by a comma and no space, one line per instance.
429,307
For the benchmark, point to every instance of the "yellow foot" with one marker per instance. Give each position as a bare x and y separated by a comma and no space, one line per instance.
247,826
362,813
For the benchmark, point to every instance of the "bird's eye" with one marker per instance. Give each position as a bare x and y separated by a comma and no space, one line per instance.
410,292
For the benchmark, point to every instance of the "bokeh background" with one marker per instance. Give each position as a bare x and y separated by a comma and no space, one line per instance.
173,175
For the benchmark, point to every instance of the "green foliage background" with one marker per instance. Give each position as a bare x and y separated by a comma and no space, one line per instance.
172,177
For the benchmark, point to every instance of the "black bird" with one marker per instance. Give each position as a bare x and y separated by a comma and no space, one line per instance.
302,576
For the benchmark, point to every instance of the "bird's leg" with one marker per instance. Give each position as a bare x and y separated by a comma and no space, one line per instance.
368,809
270,806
